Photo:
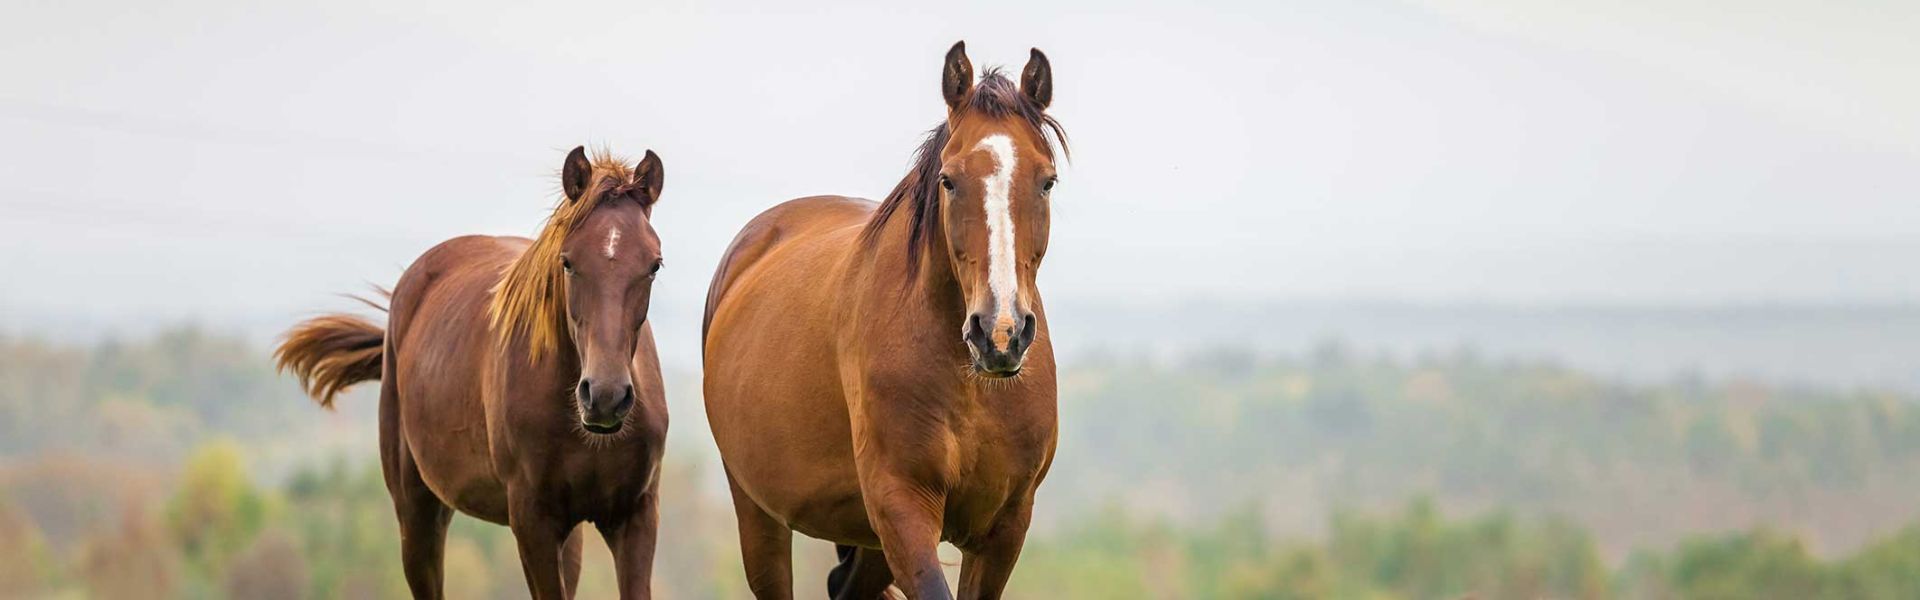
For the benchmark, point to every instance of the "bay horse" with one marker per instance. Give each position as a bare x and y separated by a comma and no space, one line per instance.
519,383
844,404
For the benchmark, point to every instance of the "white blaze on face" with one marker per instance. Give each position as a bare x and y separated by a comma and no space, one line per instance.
613,240
1001,279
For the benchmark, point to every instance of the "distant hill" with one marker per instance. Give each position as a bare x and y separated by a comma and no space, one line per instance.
1843,346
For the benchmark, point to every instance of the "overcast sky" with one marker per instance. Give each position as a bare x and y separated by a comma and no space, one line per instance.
212,159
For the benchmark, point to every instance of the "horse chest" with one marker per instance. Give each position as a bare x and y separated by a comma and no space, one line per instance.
996,454
996,457
594,483
539,451
997,477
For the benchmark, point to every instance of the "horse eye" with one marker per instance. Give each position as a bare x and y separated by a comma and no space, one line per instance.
1048,186
945,183
566,265
656,267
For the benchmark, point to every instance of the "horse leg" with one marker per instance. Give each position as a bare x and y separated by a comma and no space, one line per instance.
907,517
984,568
633,543
423,517
540,538
423,540
766,548
570,560
861,575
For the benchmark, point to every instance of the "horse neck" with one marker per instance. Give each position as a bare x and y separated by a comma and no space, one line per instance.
927,294
560,362
564,360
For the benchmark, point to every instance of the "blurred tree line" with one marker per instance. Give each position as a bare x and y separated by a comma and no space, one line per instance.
1643,465
329,533
135,470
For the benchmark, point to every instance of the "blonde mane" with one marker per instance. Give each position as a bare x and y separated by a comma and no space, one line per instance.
530,299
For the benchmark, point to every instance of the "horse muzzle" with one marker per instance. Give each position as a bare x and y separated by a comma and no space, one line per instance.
999,347
604,407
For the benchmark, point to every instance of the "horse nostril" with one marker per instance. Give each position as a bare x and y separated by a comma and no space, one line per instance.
975,331
584,393
627,400
1026,330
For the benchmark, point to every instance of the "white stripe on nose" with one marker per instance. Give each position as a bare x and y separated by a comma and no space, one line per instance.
1001,280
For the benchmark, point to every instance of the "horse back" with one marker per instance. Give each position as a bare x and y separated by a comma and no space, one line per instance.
447,272
765,233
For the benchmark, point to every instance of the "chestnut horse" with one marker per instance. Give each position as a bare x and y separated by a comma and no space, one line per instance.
519,383
843,403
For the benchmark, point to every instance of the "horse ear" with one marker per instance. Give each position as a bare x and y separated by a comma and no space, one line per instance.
649,176
1036,81
956,78
576,174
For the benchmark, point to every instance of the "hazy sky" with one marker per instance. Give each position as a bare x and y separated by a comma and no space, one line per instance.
208,159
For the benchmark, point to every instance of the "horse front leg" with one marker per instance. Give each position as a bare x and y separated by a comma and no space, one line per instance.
986,566
633,542
541,538
570,560
908,519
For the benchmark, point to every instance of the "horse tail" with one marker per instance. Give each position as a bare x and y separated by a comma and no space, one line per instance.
330,353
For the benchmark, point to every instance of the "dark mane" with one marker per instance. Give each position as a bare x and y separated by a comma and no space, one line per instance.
994,96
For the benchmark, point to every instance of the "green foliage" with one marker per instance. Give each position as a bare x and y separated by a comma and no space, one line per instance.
1416,554
1758,565
1889,568
215,510
1766,564
1104,556
29,564
1420,555
344,521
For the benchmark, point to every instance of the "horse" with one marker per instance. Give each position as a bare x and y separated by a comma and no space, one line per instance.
519,383
844,405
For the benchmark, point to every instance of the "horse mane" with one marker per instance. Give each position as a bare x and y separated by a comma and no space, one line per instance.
996,97
530,299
